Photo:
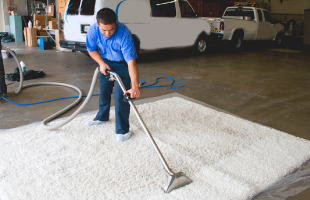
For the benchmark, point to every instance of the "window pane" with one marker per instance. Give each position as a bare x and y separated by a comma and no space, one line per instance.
186,10
240,12
163,8
73,8
88,7
234,12
249,13
268,17
260,15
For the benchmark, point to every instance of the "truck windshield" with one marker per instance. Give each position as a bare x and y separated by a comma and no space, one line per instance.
73,7
186,10
163,8
88,7
240,12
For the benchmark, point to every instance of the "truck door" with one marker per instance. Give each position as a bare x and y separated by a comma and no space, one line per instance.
265,29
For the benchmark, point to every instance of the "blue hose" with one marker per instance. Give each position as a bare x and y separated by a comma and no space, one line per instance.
172,86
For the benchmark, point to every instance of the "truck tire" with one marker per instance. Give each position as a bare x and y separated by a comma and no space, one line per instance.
200,45
279,39
236,41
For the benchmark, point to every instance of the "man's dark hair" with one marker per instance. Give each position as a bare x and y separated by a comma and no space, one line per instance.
106,16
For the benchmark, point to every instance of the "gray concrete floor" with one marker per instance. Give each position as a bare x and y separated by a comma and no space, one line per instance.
257,83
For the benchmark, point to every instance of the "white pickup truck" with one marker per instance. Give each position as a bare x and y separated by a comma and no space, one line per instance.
154,24
240,23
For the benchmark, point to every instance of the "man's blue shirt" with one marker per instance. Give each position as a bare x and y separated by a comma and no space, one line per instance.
118,47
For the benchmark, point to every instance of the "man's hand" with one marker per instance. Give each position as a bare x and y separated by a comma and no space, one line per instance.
133,92
96,56
103,68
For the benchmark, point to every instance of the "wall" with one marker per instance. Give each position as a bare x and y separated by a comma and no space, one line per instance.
287,7
20,5
1,17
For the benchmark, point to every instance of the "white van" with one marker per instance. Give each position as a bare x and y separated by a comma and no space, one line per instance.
154,24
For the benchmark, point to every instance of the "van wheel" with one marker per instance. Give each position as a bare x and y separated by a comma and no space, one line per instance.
236,41
86,53
201,45
279,39
136,42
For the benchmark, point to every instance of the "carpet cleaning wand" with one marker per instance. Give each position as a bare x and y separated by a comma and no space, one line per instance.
177,180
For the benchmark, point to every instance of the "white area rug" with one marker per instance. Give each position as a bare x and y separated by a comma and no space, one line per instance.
226,157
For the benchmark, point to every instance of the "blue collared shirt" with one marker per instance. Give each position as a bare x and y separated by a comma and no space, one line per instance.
118,47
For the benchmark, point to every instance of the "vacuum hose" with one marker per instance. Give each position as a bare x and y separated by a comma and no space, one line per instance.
45,121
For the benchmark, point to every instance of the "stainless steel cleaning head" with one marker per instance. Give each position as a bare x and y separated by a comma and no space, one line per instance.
176,181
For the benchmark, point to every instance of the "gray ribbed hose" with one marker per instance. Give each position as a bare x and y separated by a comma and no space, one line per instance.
45,121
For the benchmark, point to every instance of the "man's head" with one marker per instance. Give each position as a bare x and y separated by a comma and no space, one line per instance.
106,20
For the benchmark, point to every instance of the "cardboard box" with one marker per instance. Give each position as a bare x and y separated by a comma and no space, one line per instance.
42,33
50,10
59,35
31,37
53,25
16,13
38,22
38,27
54,19
41,17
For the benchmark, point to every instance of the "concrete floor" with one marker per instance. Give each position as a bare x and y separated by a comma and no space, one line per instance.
257,83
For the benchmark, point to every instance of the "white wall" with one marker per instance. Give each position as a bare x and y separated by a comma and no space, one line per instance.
287,7
4,15
1,17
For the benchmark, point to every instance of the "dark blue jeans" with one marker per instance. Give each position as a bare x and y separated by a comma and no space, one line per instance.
122,108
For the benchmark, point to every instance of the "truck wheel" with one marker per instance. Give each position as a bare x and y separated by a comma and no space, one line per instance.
201,45
236,41
279,39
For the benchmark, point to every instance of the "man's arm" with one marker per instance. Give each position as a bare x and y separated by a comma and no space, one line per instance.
134,77
96,56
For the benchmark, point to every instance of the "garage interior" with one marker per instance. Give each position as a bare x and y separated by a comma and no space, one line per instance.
261,83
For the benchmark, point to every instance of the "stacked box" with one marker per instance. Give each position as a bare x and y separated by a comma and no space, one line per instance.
38,27
30,37
53,25
41,17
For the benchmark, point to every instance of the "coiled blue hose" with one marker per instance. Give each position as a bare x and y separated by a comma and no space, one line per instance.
172,86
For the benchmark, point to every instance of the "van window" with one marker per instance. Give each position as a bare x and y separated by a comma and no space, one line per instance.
186,10
88,7
163,8
73,7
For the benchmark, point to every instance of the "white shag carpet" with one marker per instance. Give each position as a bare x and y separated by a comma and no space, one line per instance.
226,157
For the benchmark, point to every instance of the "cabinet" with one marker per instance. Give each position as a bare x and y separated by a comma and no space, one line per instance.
16,28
